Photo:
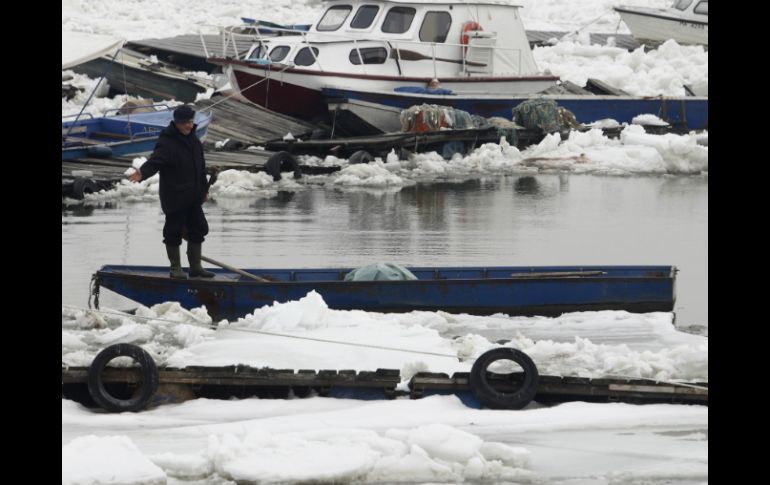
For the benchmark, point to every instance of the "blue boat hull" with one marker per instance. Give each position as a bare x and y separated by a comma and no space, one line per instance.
473,290
116,136
683,113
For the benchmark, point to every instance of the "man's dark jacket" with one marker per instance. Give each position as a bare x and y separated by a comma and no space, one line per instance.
179,159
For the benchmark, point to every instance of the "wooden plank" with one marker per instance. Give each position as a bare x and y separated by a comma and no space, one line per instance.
597,86
558,274
190,44
248,123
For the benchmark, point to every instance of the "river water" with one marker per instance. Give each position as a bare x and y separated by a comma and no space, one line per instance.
542,219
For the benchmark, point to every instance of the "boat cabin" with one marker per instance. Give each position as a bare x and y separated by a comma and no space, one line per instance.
437,38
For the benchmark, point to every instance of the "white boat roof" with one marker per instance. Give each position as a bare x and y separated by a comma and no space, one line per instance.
435,2
80,47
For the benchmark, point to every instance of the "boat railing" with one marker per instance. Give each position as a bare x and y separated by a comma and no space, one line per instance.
230,38
78,116
129,109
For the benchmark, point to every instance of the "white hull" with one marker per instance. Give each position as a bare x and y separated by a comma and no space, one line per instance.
385,118
315,80
655,26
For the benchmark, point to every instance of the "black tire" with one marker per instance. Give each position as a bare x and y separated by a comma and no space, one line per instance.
320,134
148,370
491,397
232,145
282,162
361,156
82,186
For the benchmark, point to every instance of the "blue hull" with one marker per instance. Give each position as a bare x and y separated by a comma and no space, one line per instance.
473,290
683,113
115,136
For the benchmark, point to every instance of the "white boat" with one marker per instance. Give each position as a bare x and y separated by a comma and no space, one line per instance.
687,22
379,45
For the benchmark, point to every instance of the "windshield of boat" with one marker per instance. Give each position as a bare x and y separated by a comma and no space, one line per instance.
279,53
398,20
364,17
702,8
334,17
257,52
682,4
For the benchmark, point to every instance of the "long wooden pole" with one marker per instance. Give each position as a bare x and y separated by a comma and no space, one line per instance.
234,269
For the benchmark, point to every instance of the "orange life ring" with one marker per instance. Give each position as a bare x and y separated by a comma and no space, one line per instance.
468,27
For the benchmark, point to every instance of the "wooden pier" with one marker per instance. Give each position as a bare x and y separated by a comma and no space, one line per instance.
178,384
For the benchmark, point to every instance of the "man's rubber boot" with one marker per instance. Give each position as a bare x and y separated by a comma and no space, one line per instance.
194,256
176,263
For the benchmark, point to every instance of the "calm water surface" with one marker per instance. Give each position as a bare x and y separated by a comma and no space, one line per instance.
513,220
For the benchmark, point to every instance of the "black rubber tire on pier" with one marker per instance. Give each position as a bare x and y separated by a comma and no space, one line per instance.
361,156
282,162
82,186
147,367
491,397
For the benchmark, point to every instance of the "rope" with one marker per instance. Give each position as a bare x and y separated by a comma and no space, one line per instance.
273,334
339,342
379,347
568,34
125,90
247,87
123,314
109,66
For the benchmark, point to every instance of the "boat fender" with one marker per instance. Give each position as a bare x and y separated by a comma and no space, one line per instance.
148,370
82,186
491,397
282,162
361,156
99,151
469,26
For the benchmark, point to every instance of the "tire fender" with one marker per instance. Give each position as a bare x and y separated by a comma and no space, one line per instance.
148,370
82,186
491,397
282,162
361,156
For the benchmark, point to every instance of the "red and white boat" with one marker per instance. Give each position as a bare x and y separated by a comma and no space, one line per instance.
476,47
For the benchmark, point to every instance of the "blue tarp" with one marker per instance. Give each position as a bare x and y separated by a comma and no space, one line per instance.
422,90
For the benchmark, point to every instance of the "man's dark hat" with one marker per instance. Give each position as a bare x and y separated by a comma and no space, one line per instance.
183,113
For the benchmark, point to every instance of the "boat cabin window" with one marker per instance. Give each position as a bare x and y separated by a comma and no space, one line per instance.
279,53
702,8
435,27
364,17
257,53
682,4
398,20
334,17
371,55
304,57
